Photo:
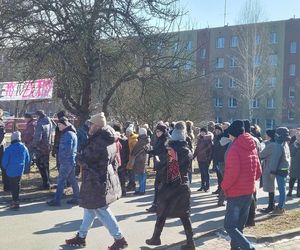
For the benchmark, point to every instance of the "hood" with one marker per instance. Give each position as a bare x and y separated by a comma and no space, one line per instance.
107,133
245,141
70,128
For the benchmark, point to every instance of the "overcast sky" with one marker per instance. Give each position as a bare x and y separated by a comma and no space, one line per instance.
210,13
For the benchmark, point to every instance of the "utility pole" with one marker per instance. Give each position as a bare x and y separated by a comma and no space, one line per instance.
225,13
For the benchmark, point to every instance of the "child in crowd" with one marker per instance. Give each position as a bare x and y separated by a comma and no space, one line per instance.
16,158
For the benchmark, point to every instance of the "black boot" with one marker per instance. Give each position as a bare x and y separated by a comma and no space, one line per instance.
298,191
187,224
271,206
289,194
155,239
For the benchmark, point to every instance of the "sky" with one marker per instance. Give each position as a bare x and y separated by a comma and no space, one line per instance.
210,13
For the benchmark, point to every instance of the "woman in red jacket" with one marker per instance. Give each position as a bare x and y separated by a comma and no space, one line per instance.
242,169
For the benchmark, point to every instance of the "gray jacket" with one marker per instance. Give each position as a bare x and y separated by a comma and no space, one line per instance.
42,135
267,178
295,160
281,158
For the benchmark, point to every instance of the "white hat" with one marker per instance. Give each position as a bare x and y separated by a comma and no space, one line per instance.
16,136
142,131
99,120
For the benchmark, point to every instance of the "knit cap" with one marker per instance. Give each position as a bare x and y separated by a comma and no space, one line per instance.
236,128
179,132
99,120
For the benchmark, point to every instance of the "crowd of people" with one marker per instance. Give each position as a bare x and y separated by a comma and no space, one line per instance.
114,160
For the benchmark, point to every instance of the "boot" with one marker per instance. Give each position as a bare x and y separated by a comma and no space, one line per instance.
298,190
119,244
289,194
190,244
271,206
155,239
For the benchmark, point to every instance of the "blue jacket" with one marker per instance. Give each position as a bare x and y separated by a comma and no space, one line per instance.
67,147
15,159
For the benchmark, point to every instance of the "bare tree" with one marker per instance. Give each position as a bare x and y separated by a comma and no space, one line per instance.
254,58
90,47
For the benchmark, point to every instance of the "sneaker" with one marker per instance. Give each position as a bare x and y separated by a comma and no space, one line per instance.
267,210
119,244
73,202
151,209
201,189
76,241
14,206
53,203
136,193
289,194
278,211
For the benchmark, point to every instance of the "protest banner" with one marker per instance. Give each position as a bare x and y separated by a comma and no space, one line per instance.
28,90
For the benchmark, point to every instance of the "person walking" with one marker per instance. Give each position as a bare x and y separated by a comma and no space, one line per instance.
5,180
242,169
295,165
66,154
280,164
100,184
15,160
141,160
268,180
203,152
27,135
42,146
174,194
160,158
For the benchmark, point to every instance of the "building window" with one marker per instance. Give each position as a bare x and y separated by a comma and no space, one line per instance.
273,38
218,102
272,81
189,46
219,119
291,115
233,62
292,69
270,124
188,65
293,48
203,53
220,42
270,103
255,121
292,92
220,63
232,102
257,60
255,103
273,59
257,39
176,47
219,83
232,83
257,83
234,42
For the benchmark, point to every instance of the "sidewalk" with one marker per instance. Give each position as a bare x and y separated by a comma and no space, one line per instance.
37,226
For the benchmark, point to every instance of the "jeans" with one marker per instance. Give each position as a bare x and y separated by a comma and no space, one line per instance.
14,184
142,182
107,219
66,173
237,211
281,180
203,167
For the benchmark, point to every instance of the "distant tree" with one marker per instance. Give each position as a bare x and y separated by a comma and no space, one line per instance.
90,47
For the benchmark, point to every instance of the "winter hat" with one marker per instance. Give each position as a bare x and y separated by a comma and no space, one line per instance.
16,136
247,126
203,130
117,127
161,127
142,131
64,120
236,128
146,126
99,120
271,133
218,127
27,115
282,134
40,113
61,114
179,132
130,129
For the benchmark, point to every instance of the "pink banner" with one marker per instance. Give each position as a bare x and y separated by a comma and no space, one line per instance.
28,90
